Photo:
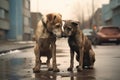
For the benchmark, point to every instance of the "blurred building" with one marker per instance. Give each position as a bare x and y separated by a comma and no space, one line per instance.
106,14
4,19
111,13
35,17
115,6
98,17
20,28
15,20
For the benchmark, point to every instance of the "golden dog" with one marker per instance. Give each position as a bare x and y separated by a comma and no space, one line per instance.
48,28
80,44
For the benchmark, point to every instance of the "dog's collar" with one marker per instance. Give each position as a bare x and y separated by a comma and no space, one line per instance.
44,23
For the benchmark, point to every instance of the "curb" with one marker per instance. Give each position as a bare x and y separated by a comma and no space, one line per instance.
25,47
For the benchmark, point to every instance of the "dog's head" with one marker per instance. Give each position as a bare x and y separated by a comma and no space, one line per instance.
53,22
70,28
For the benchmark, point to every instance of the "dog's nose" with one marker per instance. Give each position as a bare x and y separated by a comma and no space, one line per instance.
63,34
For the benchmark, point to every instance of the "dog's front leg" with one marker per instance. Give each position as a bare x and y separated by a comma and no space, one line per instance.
71,60
37,59
53,46
81,50
92,58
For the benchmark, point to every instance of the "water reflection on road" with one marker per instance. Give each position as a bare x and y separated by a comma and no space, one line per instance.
18,65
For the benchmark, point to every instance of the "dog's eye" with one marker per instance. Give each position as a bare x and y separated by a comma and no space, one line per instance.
57,26
69,29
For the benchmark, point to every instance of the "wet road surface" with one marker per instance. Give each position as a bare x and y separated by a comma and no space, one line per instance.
17,65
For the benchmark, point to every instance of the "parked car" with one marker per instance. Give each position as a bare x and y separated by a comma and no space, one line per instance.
108,34
89,33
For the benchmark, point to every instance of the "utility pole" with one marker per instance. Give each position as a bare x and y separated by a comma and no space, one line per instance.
82,15
89,16
93,20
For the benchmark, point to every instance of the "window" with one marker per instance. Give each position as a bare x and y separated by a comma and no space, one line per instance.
26,21
7,15
2,13
116,11
119,2
27,4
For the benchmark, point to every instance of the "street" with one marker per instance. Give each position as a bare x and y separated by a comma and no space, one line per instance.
18,64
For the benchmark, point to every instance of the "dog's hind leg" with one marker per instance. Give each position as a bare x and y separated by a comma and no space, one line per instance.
37,59
48,64
92,58
71,60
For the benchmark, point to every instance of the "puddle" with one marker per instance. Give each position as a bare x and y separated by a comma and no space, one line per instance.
21,69
10,52
15,68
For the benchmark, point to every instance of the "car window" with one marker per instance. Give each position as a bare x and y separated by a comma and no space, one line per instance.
110,30
87,31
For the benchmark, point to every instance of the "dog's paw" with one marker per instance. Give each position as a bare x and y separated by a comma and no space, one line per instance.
77,66
90,67
50,69
35,70
70,69
79,69
56,70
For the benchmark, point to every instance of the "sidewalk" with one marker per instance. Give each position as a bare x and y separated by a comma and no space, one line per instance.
6,46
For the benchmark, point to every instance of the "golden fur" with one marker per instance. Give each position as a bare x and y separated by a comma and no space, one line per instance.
46,32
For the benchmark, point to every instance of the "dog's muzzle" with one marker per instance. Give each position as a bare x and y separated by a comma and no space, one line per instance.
63,35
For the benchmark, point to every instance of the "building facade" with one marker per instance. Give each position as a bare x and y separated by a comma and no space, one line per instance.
15,20
35,17
4,19
115,6
20,20
98,17
106,14
111,13
27,20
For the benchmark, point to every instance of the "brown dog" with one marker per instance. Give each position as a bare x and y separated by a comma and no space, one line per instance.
46,32
80,44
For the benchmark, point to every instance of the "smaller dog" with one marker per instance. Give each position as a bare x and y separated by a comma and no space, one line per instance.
80,44
46,32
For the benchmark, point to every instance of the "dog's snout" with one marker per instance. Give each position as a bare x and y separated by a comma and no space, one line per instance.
58,25
63,34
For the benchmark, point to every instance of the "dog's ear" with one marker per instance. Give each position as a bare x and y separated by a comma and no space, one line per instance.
49,17
54,18
74,23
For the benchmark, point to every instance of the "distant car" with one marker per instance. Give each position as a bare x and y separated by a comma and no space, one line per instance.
88,33
108,34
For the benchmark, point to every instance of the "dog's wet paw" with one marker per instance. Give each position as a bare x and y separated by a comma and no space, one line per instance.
56,70
50,69
69,69
36,70
77,66
79,69
90,67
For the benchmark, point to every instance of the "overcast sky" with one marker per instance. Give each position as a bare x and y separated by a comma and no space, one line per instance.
68,8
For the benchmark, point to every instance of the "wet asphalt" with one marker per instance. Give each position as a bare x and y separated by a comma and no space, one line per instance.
18,64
